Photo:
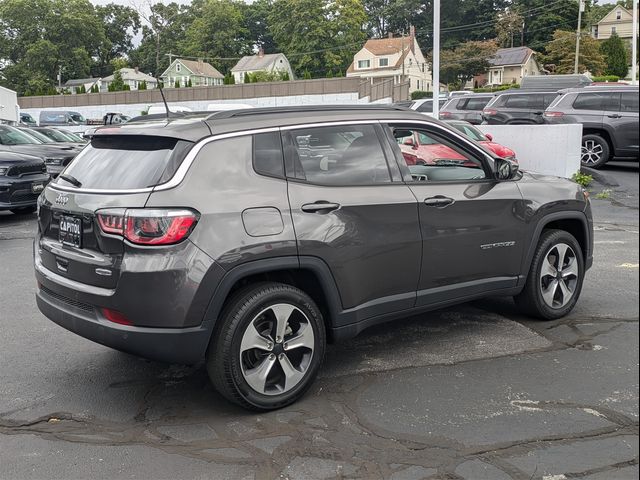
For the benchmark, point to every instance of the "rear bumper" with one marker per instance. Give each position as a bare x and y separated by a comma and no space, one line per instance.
173,345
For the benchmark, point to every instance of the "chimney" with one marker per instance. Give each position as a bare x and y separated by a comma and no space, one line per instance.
200,65
261,52
390,34
136,69
412,38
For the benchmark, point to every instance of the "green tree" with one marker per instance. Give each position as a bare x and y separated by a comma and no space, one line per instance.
121,24
460,65
142,85
117,85
95,89
81,89
229,79
189,84
176,84
560,56
247,78
544,18
615,54
256,16
509,28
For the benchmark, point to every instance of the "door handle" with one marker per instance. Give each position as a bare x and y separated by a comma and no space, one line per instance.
320,207
438,201
614,115
538,113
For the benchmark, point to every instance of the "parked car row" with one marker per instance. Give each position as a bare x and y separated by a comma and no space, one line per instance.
29,157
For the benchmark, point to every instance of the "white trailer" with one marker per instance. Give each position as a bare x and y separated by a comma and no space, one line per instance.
9,109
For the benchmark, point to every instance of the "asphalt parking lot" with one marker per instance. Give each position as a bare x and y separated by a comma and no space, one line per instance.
473,392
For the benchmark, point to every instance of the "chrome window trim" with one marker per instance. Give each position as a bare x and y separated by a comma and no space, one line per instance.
181,172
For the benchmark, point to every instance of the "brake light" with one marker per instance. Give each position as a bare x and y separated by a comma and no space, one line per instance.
445,114
148,227
554,114
116,317
490,111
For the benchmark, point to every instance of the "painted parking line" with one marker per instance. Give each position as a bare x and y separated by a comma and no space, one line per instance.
629,265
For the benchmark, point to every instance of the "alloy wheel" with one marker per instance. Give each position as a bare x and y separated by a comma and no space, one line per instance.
559,275
591,152
276,349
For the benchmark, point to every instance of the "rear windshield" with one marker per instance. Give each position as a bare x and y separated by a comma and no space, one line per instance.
126,162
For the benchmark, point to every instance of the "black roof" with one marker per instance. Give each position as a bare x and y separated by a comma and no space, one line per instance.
194,126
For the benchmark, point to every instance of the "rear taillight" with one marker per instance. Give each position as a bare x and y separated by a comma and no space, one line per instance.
554,114
116,317
490,111
445,114
148,226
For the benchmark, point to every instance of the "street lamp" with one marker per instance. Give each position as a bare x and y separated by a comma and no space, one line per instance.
580,10
436,58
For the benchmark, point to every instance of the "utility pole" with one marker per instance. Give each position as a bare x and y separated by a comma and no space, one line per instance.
436,58
634,47
578,31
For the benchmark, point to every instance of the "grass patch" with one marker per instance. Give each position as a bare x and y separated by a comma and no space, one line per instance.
604,194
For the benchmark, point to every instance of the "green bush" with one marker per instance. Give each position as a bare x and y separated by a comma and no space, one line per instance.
419,94
582,179
499,88
176,84
606,78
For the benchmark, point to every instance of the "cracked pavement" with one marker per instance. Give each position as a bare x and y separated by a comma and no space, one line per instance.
472,392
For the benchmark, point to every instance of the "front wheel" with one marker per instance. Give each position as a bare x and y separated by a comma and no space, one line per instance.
555,277
594,152
268,348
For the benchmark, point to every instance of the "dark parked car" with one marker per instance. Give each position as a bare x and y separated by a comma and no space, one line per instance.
468,108
55,156
59,136
22,180
252,237
609,116
517,107
27,120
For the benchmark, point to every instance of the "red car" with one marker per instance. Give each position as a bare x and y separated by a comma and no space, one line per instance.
421,149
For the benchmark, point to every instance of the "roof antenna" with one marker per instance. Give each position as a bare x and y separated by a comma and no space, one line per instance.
164,100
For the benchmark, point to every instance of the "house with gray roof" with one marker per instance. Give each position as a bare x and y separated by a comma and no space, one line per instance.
271,62
75,85
132,77
510,65
198,72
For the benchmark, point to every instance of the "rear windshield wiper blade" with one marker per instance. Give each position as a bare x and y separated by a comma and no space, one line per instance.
72,180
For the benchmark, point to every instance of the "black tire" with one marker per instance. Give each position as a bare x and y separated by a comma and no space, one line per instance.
594,151
531,300
24,210
226,367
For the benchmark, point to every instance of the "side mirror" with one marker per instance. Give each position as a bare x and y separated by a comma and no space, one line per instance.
505,169
489,137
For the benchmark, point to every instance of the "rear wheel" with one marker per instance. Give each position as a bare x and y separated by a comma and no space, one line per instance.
555,278
268,348
595,151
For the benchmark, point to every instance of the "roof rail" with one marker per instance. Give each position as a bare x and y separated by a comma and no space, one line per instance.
245,112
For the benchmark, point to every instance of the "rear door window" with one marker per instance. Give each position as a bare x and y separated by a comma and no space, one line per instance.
120,162
518,101
597,101
629,102
476,103
426,106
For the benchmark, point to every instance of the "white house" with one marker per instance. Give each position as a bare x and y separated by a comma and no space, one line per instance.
270,62
394,58
619,20
511,65
76,84
132,77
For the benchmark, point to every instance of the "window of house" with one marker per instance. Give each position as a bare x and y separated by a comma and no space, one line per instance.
364,63
383,62
431,158
337,155
613,30
619,15
178,67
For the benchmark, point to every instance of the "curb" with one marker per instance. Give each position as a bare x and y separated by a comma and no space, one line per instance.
600,177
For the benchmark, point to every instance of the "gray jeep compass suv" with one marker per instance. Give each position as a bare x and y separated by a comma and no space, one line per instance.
251,238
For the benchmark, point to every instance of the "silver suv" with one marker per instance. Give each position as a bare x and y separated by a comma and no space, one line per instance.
251,238
609,116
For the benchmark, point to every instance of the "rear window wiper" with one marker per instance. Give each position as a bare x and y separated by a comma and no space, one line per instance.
72,180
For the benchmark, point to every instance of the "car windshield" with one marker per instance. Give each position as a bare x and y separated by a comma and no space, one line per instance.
55,135
13,136
73,137
37,135
469,131
76,117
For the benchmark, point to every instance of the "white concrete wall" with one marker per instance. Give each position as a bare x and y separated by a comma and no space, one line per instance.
547,149
135,109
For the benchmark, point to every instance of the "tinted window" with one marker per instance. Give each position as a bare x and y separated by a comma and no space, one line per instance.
548,99
426,106
13,136
432,158
476,103
629,102
340,155
124,162
267,154
518,101
597,101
